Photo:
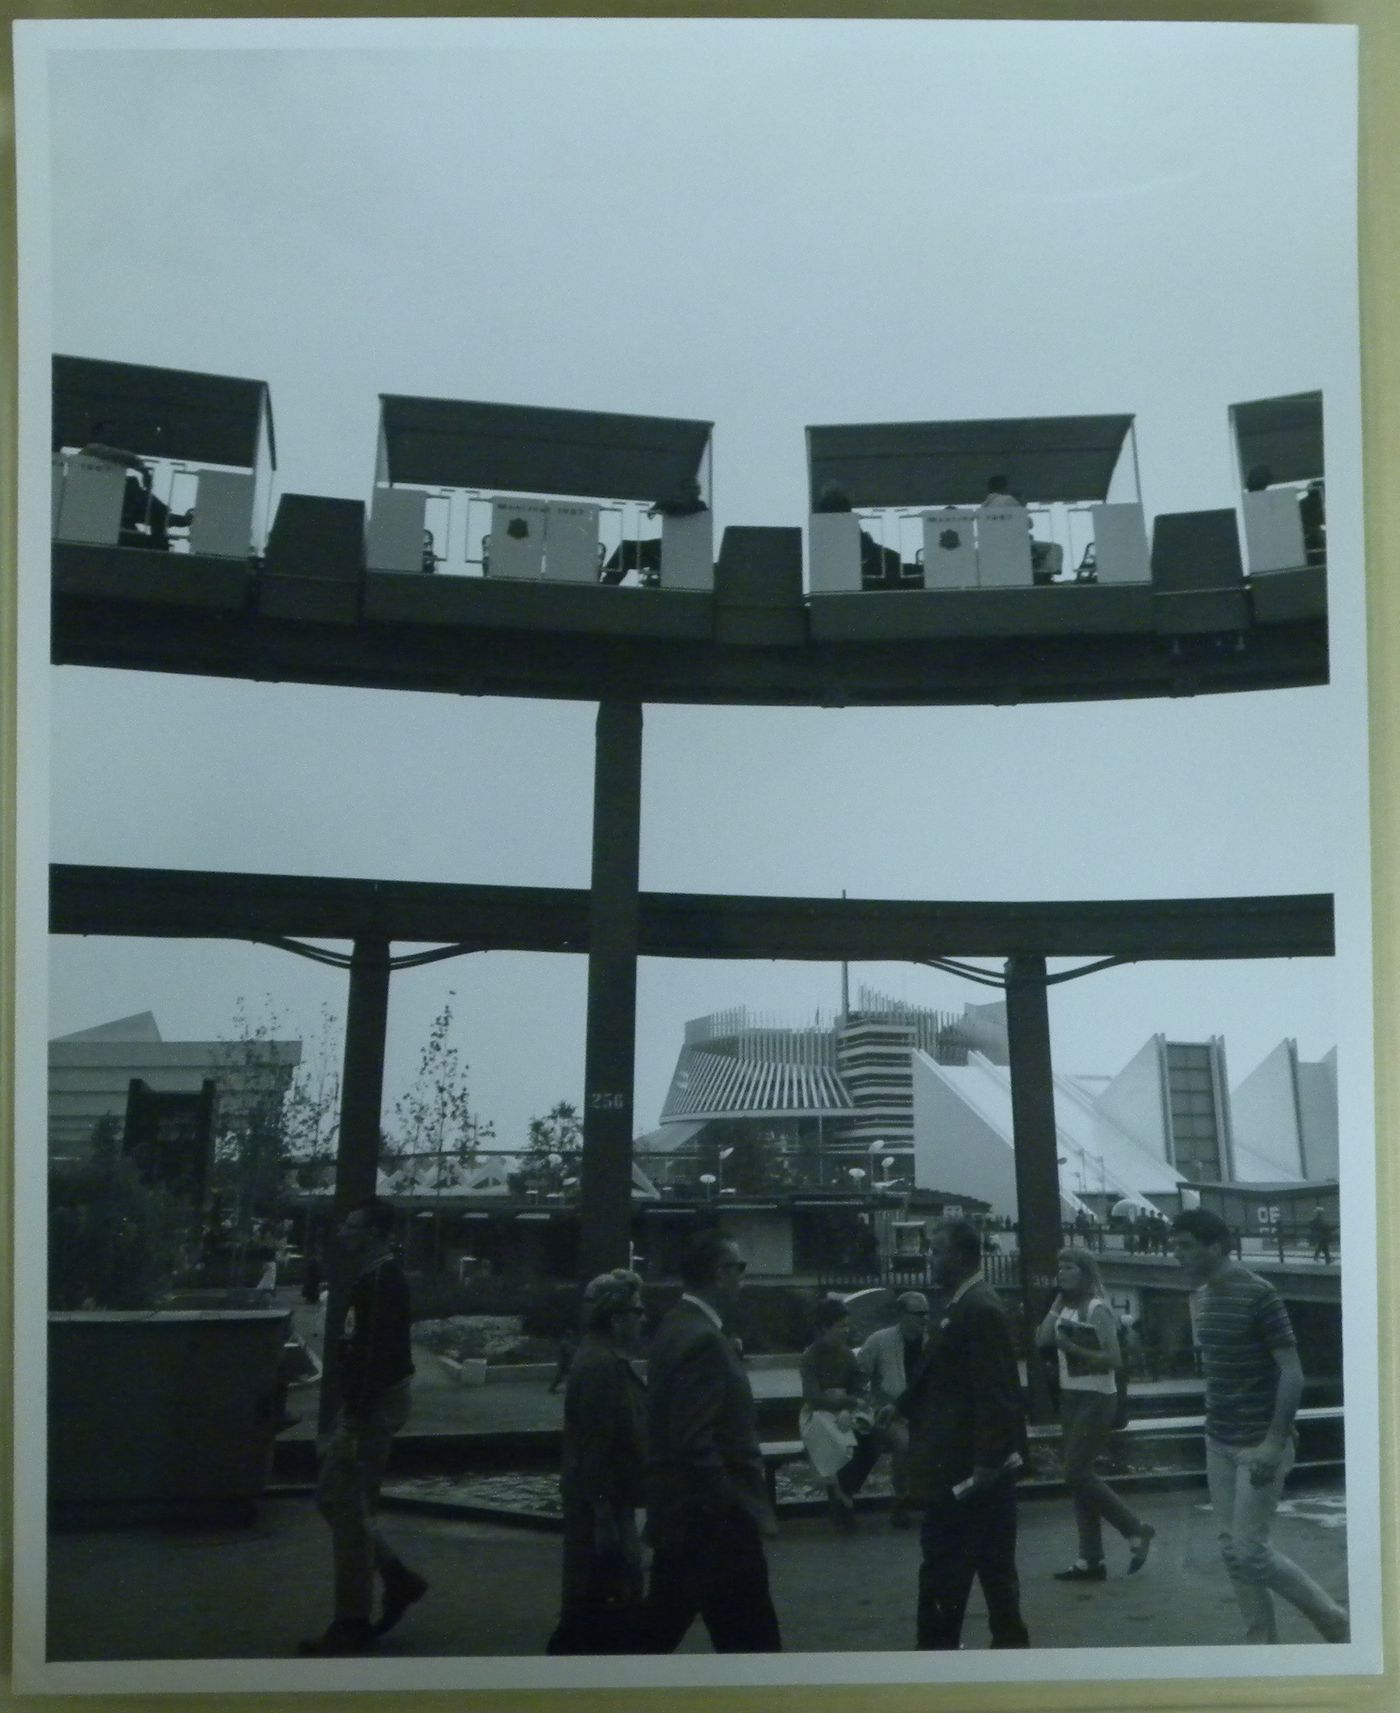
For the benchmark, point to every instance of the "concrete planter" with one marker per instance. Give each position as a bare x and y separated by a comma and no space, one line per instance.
470,1371
162,1407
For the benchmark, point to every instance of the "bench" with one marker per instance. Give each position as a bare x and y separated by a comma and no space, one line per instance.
777,1454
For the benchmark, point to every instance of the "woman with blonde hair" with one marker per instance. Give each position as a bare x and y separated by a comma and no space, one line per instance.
1082,1327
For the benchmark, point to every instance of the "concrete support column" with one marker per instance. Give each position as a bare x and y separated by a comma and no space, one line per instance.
605,1184
357,1155
1037,1169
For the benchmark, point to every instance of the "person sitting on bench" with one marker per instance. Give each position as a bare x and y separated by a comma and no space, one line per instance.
145,520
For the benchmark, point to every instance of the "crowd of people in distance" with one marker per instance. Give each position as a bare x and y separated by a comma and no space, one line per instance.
939,1389
1146,1232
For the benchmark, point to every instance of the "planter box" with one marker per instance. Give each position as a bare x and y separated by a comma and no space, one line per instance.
162,1407
471,1371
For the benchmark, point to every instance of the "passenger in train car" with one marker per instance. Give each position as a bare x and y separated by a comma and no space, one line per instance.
880,567
430,558
999,495
146,520
1257,478
99,447
832,498
685,500
643,557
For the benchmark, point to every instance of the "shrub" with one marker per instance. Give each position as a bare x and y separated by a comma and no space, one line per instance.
113,1240
545,1308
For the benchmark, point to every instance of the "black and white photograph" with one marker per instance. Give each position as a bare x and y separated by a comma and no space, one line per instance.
694,934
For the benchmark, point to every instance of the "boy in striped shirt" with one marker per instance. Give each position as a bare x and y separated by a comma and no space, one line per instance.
1253,1386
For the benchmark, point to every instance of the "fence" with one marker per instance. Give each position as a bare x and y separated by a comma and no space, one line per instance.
1002,1266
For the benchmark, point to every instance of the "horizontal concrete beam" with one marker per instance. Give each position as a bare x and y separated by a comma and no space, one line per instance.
187,903
126,608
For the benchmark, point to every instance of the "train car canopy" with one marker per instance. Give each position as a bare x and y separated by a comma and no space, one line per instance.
161,413
1283,434
530,449
1041,458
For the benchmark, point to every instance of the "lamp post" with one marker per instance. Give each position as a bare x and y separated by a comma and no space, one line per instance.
708,1179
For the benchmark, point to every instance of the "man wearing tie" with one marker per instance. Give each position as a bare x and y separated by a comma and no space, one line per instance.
707,1503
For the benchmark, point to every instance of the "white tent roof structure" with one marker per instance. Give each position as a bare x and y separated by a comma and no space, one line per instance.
1098,1156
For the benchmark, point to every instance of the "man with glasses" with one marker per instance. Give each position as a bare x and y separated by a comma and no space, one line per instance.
888,1356
707,1503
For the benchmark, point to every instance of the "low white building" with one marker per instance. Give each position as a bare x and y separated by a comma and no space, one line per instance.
92,1070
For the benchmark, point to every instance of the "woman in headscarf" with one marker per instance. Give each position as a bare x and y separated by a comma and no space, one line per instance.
601,1478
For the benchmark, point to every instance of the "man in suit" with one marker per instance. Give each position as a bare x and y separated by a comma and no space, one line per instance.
967,1441
707,1504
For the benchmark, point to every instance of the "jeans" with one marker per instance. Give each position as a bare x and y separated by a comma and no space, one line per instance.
347,1492
1088,1421
963,1538
1244,1514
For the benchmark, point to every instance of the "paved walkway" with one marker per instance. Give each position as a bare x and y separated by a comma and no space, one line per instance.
205,1593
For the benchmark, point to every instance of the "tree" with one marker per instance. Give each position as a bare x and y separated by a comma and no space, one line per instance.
115,1242
755,1160
252,1141
435,1117
311,1111
553,1150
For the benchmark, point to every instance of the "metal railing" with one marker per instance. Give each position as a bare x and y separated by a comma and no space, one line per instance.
1295,1244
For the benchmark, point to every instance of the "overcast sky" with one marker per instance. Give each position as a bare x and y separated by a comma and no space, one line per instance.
767,225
